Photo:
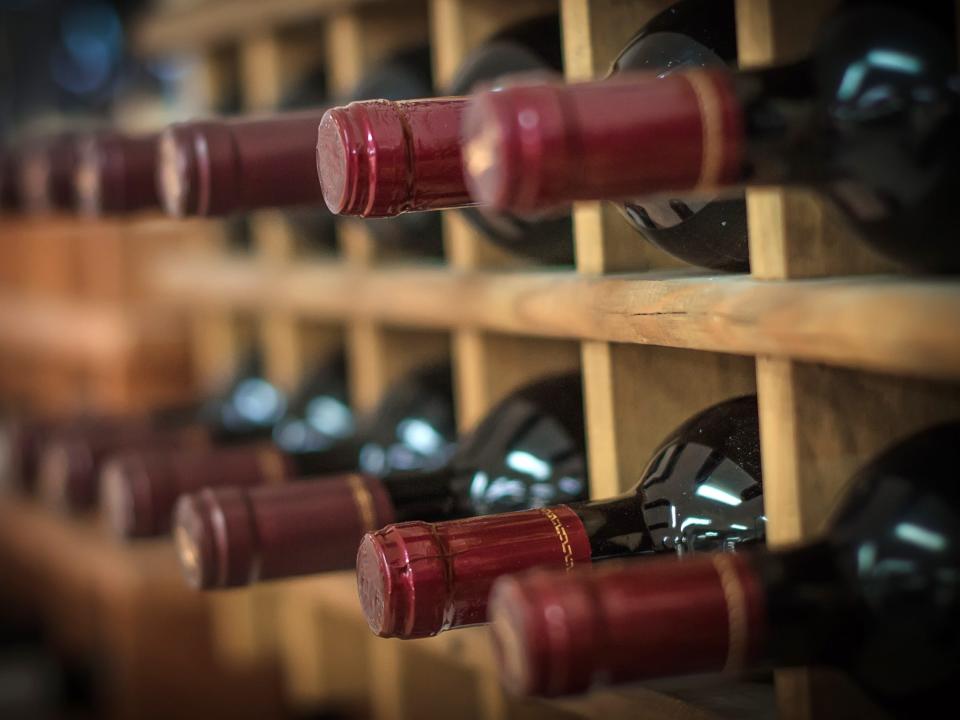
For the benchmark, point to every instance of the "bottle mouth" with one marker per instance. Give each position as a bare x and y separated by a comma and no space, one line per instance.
35,180
187,534
483,153
402,581
193,537
337,168
87,178
508,632
364,159
175,164
65,470
117,499
541,640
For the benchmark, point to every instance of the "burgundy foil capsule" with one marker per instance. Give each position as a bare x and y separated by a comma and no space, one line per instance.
46,173
227,537
533,147
417,579
139,489
217,167
69,465
9,197
116,174
379,158
558,634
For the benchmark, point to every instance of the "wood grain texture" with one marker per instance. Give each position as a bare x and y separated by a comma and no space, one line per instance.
120,603
894,324
215,23
818,424
458,28
645,392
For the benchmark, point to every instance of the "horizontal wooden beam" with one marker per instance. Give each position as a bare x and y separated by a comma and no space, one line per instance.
81,331
893,324
223,21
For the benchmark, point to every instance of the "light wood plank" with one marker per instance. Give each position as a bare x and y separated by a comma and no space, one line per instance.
893,324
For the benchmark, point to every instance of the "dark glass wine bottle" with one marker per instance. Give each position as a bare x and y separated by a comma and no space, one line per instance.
9,195
877,596
701,491
415,144
319,439
869,119
528,452
68,457
313,434
707,232
229,415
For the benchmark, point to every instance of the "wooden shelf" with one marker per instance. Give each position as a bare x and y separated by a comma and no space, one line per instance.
894,324
120,604
223,21
78,330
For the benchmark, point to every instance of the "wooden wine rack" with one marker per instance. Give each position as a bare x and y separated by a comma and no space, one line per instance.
846,351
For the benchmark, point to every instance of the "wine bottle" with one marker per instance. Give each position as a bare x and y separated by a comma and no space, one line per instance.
138,488
68,466
701,491
217,167
869,119
46,169
115,174
529,451
311,224
402,76
415,145
65,457
707,232
9,197
877,596
318,437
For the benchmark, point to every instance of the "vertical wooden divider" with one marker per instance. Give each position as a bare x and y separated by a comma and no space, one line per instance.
453,674
220,338
818,424
326,647
634,394
48,253
251,623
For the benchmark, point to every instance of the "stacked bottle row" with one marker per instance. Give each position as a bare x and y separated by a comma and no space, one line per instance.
447,532
669,578
672,136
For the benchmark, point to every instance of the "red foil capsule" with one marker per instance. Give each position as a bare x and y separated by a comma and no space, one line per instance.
378,158
528,148
116,174
9,197
69,465
227,537
139,489
219,167
558,634
417,579
46,174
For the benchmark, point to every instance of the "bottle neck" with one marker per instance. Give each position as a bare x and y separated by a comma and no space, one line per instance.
781,142
338,458
615,527
426,495
807,605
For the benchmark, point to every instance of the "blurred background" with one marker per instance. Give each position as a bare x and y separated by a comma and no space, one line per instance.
73,58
